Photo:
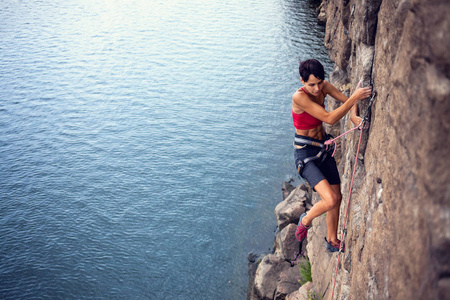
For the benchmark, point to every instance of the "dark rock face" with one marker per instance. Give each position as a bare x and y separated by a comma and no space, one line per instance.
398,242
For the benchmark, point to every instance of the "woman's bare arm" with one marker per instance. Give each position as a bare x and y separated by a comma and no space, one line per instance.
338,95
317,111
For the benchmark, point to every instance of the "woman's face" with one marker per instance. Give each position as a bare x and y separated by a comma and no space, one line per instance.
314,85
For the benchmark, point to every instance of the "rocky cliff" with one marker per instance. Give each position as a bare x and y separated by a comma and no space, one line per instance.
398,229
398,242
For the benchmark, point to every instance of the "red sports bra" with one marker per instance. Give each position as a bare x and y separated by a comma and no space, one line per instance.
304,120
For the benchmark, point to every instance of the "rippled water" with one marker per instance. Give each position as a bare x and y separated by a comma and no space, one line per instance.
143,143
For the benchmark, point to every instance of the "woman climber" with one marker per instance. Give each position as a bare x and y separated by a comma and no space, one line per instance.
311,159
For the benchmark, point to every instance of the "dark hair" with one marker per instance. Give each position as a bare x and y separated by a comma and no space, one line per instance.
311,66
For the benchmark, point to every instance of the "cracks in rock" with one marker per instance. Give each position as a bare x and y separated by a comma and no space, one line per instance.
371,21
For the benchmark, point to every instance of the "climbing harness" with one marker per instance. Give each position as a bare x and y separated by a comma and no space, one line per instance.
330,144
344,229
322,154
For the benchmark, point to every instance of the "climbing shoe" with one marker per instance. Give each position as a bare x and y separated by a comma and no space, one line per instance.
334,247
302,230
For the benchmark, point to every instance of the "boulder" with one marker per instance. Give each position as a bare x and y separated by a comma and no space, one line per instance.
289,210
305,292
288,281
267,276
285,288
286,245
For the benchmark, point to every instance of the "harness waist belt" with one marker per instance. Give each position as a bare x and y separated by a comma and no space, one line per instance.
308,142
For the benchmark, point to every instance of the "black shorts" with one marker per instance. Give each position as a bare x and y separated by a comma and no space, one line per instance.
317,170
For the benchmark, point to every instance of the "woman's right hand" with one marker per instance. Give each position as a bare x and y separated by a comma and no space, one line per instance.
362,93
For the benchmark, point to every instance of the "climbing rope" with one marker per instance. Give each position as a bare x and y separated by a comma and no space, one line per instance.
329,142
344,230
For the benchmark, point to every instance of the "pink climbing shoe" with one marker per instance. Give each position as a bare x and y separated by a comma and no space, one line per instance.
302,230
332,247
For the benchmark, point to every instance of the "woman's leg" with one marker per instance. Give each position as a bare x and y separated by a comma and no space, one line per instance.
329,203
333,216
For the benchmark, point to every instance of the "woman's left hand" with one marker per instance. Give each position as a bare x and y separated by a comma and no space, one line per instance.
356,120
